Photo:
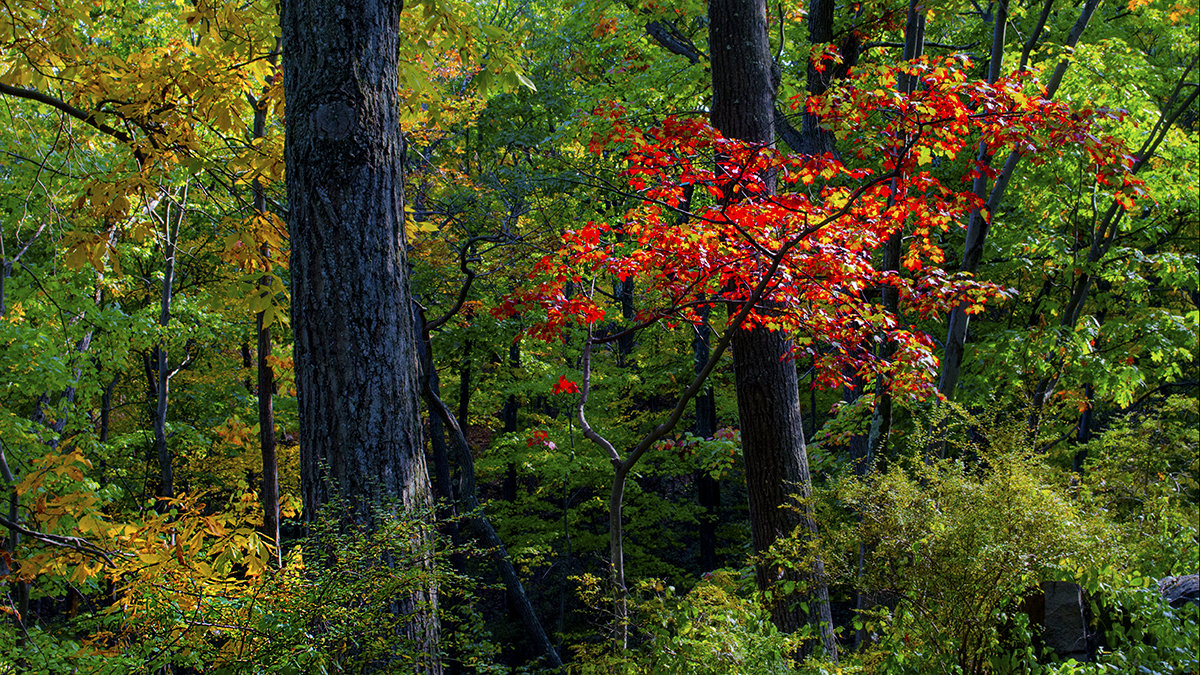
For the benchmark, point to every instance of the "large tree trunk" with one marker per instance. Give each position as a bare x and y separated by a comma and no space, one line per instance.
765,375
355,349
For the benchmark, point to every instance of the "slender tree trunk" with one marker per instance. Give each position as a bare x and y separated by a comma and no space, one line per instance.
464,385
708,489
624,292
764,373
509,413
1104,236
881,415
355,348
443,490
468,495
979,222
247,364
13,540
266,375
106,407
166,477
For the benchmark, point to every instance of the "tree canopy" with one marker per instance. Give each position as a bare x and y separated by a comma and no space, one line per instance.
598,336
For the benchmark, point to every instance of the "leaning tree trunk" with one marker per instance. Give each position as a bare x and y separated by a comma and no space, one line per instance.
764,373
355,349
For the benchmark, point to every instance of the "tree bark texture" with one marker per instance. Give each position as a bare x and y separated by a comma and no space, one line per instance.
356,359
355,348
743,105
764,374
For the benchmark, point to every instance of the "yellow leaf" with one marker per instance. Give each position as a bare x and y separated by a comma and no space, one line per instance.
150,558
214,528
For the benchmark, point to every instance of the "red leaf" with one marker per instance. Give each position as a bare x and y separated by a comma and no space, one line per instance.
565,386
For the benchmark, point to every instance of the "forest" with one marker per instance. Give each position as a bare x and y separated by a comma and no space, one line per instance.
600,336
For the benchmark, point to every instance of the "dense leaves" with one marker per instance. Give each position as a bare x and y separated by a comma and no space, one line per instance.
583,246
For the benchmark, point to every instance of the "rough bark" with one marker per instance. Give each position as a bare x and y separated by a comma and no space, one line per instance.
355,348
764,374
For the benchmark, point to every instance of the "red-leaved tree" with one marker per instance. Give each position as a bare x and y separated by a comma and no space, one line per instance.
789,242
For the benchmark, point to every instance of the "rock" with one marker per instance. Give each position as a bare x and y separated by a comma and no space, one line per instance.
1065,627
1180,590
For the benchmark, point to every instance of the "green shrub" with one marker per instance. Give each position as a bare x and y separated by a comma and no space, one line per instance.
714,628
950,549
1142,473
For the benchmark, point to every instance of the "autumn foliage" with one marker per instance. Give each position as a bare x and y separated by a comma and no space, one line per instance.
791,239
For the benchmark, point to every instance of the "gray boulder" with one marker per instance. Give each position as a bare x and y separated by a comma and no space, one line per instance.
1180,590
1065,628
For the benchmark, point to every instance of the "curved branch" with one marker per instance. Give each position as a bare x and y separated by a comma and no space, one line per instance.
463,290
58,104
78,544
673,41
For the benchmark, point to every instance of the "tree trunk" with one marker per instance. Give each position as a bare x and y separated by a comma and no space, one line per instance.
708,489
977,227
978,224
881,415
355,349
266,375
467,495
509,413
1105,234
464,385
20,590
764,373
164,373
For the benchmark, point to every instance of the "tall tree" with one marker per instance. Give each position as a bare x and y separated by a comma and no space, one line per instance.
765,375
355,346
980,220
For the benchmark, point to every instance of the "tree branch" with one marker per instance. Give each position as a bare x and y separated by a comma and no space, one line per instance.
75,543
58,104
673,41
